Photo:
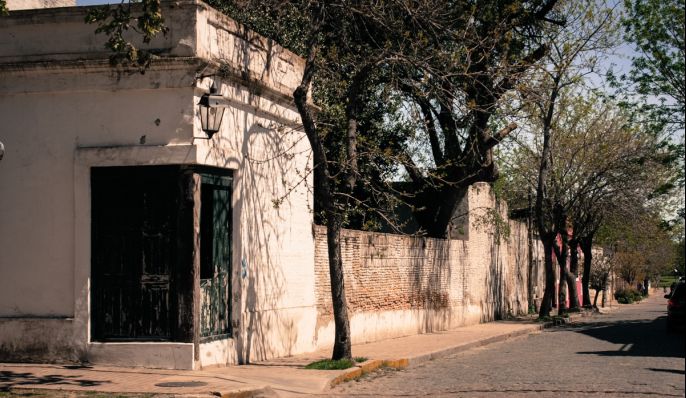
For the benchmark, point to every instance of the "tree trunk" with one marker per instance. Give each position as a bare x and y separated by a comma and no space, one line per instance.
435,197
586,244
604,297
324,196
547,236
595,299
573,274
562,281
434,206
549,292
561,252
342,347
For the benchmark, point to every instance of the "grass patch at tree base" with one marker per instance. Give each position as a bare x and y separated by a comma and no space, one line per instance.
329,364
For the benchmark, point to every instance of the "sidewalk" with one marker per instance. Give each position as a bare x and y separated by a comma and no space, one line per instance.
278,377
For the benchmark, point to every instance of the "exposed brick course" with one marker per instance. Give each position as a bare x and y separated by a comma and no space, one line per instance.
481,278
386,272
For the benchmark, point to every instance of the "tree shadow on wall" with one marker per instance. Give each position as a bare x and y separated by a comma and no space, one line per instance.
430,276
495,307
506,280
259,274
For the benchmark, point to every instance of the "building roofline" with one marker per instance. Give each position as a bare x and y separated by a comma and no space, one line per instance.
201,41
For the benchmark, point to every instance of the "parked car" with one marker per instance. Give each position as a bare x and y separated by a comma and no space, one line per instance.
676,306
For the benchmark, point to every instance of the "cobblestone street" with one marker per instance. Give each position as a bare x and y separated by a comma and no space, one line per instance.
626,353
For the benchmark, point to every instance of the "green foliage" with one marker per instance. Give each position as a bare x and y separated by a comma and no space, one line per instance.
680,257
3,8
656,83
405,56
628,295
492,220
600,272
656,28
602,161
144,17
667,280
286,23
640,245
380,139
329,364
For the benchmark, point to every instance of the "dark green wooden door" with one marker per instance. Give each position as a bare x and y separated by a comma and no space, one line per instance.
134,214
142,253
215,255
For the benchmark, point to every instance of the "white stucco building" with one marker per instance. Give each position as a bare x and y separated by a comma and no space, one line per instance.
126,236
29,4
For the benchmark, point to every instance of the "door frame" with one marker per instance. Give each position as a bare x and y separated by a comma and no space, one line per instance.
173,355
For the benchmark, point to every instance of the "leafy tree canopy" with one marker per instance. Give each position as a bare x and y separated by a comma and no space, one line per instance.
656,28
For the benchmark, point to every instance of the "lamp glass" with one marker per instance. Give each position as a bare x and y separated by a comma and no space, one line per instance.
211,113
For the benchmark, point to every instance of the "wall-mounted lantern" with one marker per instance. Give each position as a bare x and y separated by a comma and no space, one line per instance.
212,106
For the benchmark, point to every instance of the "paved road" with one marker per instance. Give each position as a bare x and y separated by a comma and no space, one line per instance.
627,353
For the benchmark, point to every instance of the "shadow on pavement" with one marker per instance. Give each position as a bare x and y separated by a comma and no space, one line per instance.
639,338
9,379
677,371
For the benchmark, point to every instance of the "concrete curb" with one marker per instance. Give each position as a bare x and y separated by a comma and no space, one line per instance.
30,391
402,363
357,371
261,392
414,361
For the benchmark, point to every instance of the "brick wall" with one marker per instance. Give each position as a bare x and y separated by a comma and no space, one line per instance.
387,272
462,281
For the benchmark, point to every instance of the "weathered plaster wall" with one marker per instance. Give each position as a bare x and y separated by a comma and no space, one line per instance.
273,248
38,340
222,39
399,285
41,132
28,4
197,34
60,34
